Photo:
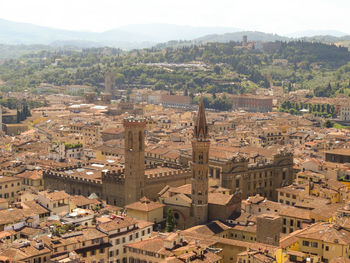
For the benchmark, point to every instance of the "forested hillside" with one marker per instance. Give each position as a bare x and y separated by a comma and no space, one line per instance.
211,67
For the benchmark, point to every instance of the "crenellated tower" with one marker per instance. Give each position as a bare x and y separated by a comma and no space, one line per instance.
200,165
134,159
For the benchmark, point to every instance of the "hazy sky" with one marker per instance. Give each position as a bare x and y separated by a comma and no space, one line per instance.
275,16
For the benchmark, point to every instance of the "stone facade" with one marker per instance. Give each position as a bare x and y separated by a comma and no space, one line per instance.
110,185
200,165
192,204
134,159
109,82
268,229
262,178
252,103
246,177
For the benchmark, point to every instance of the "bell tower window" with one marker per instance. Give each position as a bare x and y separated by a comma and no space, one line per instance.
140,141
130,141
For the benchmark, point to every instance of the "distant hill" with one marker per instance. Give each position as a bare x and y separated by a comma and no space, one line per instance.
147,35
166,32
24,33
312,33
237,36
132,36
327,39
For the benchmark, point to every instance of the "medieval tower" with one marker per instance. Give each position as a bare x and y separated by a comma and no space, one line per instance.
200,165
134,159
109,82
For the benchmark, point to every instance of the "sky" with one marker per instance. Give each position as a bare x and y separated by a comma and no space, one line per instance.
273,16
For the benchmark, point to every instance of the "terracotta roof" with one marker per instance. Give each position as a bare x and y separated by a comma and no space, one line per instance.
5,179
80,200
14,215
34,175
154,244
113,130
342,151
327,233
255,199
294,212
211,229
194,257
184,189
219,198
145,205
117,223
34,207
55,196
339,260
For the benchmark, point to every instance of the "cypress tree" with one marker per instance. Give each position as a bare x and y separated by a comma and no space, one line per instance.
170,221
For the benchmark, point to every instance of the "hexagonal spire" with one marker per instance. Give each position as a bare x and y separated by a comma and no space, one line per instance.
201,127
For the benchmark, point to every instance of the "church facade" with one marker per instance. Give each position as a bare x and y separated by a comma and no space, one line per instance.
192,204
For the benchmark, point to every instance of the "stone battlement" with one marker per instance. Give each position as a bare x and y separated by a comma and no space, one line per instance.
114,172
167,175
116,176
71,177
70,167
132,121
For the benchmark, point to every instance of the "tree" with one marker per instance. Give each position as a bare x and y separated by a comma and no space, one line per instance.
217,70
186,92
19,116
309,95
328,124
170,221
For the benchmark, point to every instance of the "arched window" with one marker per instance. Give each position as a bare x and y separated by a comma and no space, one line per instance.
130,140
140,141
200,158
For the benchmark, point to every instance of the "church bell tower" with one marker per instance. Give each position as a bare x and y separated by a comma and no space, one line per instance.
200,166
134,159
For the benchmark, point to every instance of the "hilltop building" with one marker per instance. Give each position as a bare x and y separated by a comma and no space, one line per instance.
252,103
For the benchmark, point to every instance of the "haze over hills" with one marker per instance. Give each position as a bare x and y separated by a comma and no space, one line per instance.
166,32
237,36
143,36
312,33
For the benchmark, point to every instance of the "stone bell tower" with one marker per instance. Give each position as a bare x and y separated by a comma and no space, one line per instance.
134,159
200,165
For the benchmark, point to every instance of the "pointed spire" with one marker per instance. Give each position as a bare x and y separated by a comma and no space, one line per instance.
201,127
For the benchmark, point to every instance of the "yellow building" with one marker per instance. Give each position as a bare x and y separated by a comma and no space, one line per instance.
146,210
9,188
245,233
32,180
171,248
293,218
218,236
254,256
324,240
57,202
3,204
93,245
33,251
292,194
79,201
